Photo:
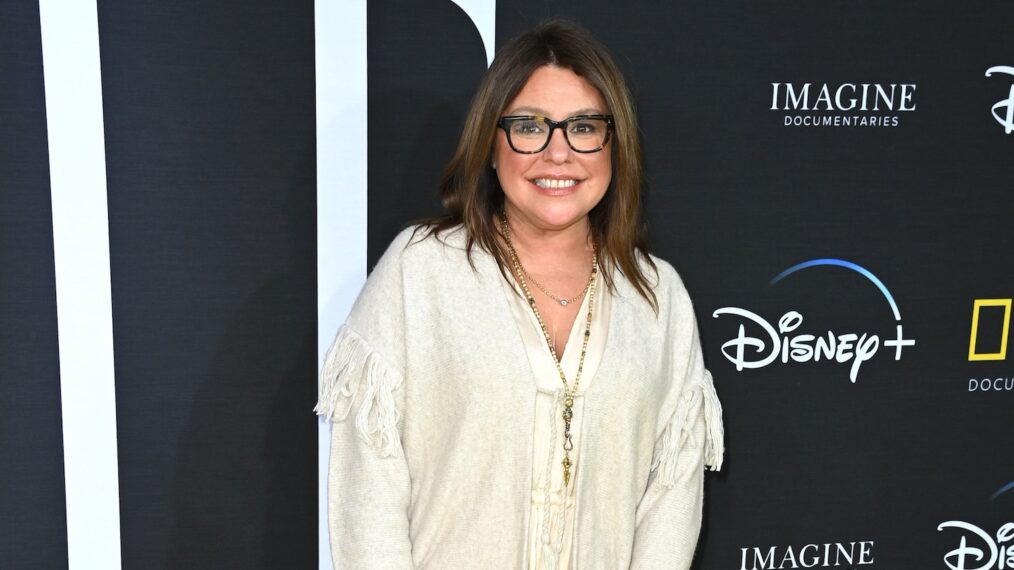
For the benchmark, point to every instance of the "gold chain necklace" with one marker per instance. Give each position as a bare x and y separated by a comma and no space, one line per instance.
568,391
562,301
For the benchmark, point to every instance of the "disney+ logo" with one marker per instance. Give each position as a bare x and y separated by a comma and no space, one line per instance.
767,343
1007,105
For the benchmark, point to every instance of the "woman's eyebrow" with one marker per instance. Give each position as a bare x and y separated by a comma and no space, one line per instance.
528,111
544,113
587,111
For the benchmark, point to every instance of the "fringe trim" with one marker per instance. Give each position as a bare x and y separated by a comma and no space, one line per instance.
350,366
678,434
714,448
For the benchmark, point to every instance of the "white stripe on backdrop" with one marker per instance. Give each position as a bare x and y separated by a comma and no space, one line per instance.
340,52
77,172
483,16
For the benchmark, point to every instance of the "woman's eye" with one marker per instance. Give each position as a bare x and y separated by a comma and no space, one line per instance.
583,128
528,128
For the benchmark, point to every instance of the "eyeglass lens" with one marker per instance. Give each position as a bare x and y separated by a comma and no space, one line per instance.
584,134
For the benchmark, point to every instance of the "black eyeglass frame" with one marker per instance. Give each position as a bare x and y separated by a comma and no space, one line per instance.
506,122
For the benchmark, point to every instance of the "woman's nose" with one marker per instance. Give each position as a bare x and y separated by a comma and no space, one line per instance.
558,149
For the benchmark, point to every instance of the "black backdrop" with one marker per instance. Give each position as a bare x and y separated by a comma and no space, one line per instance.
209,113
32,513
210,143
738,193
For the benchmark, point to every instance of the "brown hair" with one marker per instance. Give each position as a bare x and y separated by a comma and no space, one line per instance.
471,192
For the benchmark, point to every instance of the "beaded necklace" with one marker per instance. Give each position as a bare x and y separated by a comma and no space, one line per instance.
568,391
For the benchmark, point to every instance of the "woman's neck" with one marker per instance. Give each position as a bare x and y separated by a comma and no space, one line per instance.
536,242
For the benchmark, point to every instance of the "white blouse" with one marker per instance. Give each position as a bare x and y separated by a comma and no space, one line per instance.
551,523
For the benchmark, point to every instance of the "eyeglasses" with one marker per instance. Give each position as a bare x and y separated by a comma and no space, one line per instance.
529,134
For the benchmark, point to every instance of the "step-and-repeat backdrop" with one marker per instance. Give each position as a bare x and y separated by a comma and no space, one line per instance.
833,180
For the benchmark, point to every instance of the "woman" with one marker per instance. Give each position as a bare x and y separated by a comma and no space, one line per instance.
519,384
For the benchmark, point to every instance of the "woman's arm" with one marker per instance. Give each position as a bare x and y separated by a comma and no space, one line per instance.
368,479
669,515
691,438
363,396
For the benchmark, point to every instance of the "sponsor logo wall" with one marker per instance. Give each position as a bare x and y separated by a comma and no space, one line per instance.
837,200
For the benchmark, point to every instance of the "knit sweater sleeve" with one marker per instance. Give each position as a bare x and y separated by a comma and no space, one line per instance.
668,518
361,393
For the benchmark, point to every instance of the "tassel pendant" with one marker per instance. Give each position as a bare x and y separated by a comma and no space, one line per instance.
568,392
568,443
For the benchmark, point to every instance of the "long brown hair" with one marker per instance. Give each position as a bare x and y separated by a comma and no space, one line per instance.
471,192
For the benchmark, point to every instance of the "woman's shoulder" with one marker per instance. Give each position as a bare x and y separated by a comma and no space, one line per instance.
419,245
667,283
415,263
428,236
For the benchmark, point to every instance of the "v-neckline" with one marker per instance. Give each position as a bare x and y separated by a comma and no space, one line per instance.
528,331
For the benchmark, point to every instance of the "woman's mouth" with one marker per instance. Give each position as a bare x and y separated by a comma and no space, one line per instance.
555,183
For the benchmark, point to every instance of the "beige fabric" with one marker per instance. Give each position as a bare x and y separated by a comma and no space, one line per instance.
558,533
433,404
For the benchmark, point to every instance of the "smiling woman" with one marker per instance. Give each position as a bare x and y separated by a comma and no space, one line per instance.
548,183
520,383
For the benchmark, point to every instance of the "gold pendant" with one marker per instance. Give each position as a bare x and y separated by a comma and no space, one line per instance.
568,443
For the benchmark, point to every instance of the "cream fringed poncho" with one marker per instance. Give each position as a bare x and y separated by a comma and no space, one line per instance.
433,400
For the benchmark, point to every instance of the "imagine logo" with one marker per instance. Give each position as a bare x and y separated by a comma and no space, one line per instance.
843,104
1007,119
826,555
777,344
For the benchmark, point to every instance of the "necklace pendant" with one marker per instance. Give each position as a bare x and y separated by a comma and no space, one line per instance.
564,302
566,470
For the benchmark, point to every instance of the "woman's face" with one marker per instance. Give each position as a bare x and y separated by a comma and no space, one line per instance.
557,187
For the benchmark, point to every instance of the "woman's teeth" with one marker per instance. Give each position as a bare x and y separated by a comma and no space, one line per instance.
554,183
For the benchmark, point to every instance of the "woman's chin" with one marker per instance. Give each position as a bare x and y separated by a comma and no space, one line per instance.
550,214
559,220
